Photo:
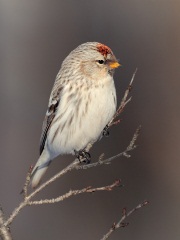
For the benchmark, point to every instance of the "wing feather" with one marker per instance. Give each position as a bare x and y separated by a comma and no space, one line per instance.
51,112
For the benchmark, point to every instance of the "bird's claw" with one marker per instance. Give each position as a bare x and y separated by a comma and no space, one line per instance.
83,156
105,131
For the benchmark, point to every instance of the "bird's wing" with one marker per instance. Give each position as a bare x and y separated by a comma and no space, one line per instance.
51,112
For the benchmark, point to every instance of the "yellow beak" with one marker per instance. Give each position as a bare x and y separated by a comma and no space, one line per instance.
114,64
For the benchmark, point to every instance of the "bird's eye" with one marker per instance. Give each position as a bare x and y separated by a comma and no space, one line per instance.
100,61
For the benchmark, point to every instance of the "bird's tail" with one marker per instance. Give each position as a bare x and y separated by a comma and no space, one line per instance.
40,168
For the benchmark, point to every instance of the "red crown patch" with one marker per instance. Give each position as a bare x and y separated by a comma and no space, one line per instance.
103,49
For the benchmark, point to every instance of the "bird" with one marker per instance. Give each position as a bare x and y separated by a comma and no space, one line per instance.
81,104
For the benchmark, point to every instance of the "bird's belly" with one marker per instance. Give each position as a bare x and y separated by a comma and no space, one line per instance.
84,123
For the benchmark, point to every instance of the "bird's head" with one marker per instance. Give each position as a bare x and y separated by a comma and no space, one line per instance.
93,60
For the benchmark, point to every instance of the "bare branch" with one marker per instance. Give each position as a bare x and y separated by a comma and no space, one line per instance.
15,213
125,153
123,103
4,230
74,165
4,225
58,199
27,181
121,222
135,136
76,192
41,187
54,178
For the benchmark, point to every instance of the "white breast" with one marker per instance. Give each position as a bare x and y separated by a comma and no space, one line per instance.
82,121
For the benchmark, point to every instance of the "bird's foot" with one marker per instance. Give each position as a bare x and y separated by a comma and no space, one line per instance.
83,156
105,131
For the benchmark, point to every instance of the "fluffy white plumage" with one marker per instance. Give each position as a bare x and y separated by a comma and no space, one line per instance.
82,102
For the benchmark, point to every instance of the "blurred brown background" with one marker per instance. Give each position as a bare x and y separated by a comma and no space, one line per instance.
35,36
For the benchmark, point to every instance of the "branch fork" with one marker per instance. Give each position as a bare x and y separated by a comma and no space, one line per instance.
75,165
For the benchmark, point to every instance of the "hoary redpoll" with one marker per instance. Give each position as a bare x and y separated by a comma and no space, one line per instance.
81,104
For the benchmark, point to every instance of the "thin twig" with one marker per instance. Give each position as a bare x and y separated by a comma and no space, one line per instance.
125,153
121,222
27,181
74,165
123,103
4,230
41,187
76,192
